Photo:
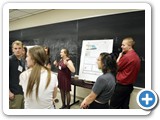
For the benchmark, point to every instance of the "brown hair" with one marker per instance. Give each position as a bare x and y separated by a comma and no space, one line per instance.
66,52
48,50
38,55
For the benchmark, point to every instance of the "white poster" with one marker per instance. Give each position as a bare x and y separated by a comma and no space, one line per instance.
28,47
90,51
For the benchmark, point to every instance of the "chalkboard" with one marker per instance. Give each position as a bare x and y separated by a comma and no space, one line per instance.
71,34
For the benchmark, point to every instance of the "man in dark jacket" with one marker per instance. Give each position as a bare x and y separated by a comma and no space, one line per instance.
16,66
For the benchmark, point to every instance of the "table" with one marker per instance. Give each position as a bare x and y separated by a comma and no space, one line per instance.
80,83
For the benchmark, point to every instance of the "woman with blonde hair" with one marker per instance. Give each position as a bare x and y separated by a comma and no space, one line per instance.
38,82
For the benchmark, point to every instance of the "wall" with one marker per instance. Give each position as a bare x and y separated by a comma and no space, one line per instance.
56,16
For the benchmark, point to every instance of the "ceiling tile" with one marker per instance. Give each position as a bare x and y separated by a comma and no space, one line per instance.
15,14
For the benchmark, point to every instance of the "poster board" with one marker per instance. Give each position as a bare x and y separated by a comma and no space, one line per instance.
90,52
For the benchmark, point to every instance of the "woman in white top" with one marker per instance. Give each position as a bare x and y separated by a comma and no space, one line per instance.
38,82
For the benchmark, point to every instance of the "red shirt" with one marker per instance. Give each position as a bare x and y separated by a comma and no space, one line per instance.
128,68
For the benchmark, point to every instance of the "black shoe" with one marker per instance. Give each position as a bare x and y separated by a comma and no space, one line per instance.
64,106
68,107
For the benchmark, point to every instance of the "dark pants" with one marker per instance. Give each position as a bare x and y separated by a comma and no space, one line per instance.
95,105
121,96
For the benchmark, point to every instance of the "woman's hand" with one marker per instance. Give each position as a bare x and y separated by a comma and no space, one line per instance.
83,105
55,63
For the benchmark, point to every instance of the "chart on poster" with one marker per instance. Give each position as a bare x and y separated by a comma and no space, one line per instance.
90,51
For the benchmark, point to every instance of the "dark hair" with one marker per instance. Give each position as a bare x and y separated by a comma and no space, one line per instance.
25,49
48,50
109,63
48,58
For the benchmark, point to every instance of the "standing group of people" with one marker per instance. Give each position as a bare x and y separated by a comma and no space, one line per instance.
36,87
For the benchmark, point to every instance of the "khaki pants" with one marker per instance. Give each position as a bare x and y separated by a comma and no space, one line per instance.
17,102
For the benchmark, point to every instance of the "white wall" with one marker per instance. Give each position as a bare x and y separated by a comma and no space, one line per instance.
61,15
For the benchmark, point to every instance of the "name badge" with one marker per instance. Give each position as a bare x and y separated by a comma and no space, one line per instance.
59,67
20,68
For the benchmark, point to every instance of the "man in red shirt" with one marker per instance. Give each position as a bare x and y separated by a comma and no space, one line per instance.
128,67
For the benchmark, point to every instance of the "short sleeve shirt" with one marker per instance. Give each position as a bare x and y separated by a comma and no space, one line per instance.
104,87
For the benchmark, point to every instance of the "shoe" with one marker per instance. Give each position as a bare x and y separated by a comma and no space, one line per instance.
68,107
64,106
